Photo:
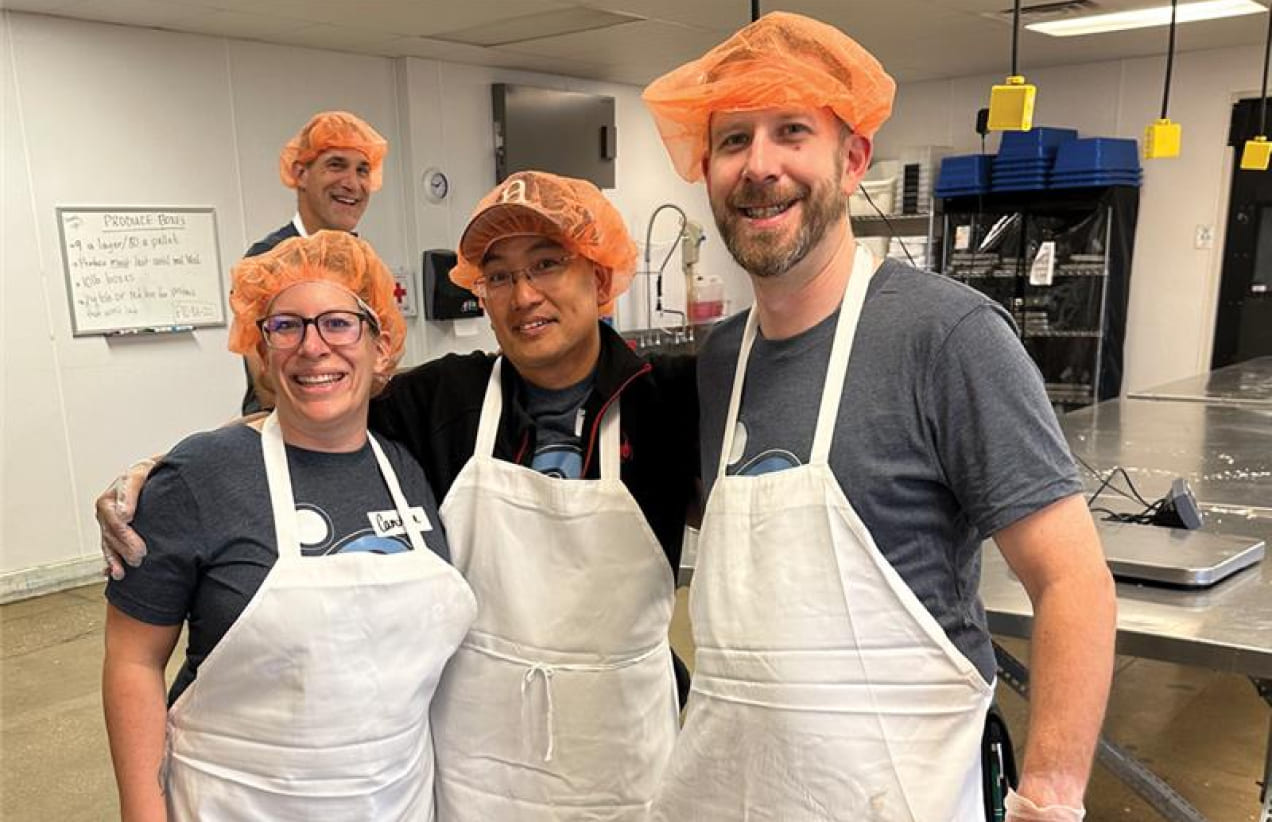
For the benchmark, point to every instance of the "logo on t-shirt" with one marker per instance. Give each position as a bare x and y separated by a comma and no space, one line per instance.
318,537
766,462
560,460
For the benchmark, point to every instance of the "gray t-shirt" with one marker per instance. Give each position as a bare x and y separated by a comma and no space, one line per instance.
558,420
205,515
944,435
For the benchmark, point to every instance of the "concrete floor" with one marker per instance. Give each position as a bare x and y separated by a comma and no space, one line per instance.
1203,732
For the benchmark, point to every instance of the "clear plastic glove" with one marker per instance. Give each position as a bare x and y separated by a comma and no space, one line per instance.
115,509
1020,809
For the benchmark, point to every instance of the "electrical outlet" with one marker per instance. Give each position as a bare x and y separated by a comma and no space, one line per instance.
1205,237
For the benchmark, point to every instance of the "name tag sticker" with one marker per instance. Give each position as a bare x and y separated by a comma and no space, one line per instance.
389,524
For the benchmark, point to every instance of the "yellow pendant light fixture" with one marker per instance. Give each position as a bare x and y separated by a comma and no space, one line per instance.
1011,105
1162,137
1258,151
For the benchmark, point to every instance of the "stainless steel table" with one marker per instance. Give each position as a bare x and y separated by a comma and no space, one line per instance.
1224,451
1227,627
1245,383
1215,432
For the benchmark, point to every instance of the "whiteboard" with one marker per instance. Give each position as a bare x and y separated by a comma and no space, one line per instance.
137,270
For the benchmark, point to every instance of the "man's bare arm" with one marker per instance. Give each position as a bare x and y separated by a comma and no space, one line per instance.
1056,554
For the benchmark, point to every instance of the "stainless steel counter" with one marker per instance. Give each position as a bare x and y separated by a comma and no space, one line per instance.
1245,383
1227,627
1224,451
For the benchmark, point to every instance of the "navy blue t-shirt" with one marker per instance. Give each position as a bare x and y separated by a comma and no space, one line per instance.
209,530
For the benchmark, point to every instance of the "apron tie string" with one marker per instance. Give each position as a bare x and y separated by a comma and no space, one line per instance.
545,671
165,767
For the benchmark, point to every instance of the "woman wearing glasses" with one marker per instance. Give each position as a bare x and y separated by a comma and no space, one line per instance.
308,561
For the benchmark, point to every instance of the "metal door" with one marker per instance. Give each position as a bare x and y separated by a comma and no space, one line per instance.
1243,323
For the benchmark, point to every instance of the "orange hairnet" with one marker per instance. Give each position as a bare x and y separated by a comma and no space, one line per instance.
781,60
573,212
334,129
324,256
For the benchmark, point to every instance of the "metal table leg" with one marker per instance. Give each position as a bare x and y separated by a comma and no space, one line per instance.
1264,687
1133,773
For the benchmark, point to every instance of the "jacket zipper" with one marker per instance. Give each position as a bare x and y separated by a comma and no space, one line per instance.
596,423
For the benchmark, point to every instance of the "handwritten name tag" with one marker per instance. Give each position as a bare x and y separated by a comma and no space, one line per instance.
389,524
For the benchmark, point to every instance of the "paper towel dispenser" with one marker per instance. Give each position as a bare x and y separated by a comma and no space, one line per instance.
443,300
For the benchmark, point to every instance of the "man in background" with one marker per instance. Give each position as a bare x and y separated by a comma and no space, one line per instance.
334,162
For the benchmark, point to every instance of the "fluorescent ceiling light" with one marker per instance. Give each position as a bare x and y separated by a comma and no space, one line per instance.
1146,18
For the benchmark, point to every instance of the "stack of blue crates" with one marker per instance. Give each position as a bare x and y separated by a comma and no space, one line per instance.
1097,161
1040,158
1025,157
963,174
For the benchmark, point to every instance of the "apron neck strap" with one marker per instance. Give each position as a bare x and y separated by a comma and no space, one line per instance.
863,268
735,396
491,411
413,529
283,500
611,442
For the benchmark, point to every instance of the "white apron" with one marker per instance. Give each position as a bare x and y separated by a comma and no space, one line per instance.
823,689
561,702
314,705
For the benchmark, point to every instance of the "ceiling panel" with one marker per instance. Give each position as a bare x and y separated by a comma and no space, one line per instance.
148,13
915,39
718,15
340,38
245,25
429,17
40,6
312,10
478,56
668,44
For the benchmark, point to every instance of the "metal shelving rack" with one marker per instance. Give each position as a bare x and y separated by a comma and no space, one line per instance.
1074,326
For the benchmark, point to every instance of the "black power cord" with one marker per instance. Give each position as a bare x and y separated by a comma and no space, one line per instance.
1015,37
1145,516
1170,59
1263,98
891,229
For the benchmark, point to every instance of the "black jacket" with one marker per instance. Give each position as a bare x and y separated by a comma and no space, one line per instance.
251,404
434,409
261,246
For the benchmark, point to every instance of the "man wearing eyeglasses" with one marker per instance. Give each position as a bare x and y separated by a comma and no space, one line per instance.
561,703
334,162
565,467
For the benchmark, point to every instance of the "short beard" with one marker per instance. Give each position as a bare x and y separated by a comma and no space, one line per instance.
760,253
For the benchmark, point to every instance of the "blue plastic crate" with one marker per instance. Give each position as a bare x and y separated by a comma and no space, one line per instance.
1042,141
943,193
971,163
1019,187
1097,183
1099,175
962,171
1027,165
1020,172
1094,154
1098,178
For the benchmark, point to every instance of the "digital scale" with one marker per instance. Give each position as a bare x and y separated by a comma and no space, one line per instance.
1175,556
